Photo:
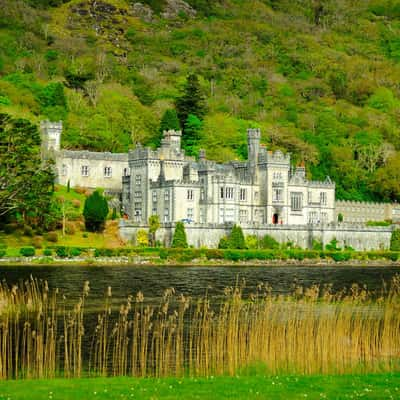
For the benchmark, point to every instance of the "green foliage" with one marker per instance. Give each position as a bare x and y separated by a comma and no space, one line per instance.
169,121
27,251
192,134
47,252
223,242
95,212
179,238
332,245
317,245
395,240
192,101
378,223
268,242
154,225
251,242
26,183
340,217
236,238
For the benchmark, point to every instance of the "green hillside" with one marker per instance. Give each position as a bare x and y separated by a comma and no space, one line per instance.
320,78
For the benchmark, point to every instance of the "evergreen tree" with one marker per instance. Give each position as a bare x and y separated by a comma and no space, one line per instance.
236,238
395,240
168,121
192,101
95,212
192,134
179,240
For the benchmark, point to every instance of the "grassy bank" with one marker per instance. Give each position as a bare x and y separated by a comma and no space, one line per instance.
371,386
57,254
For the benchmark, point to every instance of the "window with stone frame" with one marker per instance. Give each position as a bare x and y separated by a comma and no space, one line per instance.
277,195
229,193
138,179
64,170
202,195
107,172
154,196
85,170
166,195
166,215
243,216
221,191
190,213
190,195
296,201
242,195
202,215
229,215
138,194
323,198
127,172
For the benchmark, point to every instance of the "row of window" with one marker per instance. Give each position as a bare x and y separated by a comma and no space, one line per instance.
228,193
85,171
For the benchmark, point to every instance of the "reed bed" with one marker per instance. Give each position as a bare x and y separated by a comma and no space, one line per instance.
312,330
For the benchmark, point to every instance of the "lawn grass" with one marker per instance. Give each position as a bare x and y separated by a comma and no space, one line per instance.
370,386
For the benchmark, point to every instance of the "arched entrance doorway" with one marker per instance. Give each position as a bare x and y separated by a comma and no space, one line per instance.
275,218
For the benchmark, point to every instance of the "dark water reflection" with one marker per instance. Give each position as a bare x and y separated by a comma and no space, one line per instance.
192,281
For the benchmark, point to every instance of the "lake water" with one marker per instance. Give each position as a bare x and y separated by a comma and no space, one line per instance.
192,281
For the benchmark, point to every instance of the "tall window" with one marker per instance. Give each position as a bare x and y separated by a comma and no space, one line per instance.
64,170
221,191
229,215
242,194
221,215
312,217
166,195
190,194
296,201
107,172
166,214
229,193
324,217
202,215
85,170
127,171
323,198
138,179
277,195
154,196
138,195
189,213
202,194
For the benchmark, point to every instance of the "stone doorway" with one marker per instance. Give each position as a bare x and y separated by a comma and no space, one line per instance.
275,218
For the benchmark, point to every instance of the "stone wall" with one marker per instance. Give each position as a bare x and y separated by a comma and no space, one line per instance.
358,237
362,212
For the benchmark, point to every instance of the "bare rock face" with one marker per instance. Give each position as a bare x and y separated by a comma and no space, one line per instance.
143,11
175,8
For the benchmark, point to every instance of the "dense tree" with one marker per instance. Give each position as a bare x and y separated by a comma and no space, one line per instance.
179,239
169,121
154,224
192,134
26,183
192,100
95,212
236,238
395,240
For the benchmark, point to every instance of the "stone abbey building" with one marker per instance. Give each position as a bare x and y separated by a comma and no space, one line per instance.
265,194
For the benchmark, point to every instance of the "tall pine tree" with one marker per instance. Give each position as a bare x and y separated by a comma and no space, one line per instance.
95,212
179,240
192,100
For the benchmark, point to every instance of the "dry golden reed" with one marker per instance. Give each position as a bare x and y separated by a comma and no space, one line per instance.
312,330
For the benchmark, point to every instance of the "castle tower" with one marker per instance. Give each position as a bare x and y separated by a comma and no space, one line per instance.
253,146
172,139
51,136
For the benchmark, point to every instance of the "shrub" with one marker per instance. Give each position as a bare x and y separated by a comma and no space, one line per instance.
10,228
85,235
37,242
332,245
340,217
214,254
395,240
223,242
142,238
179,239
341,256
75,252
251,242
27,251
47,252
236,238
28,231
76,203
69,228
114,214
52,237
317,245
95,212
62,252
2,253
268,242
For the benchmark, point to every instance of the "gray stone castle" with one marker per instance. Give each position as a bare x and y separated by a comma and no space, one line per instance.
264,194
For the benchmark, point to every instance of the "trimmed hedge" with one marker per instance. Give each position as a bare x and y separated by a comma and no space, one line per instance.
27,251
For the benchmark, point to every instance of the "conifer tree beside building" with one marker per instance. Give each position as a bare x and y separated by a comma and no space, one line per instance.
179,240
95,212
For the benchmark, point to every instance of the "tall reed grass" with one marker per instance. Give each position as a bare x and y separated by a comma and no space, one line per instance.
312,330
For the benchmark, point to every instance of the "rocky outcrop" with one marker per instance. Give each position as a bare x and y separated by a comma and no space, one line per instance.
143,11
177,8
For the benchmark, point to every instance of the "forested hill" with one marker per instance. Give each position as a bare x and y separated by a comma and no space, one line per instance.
321,78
